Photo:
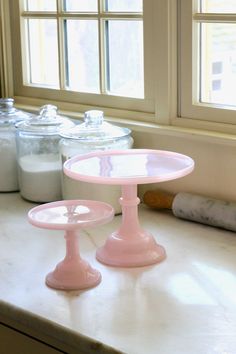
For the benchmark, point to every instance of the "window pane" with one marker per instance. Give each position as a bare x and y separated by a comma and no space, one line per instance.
124,5
82,55
41,5
218,63
217,6
125,58
81,5
43,52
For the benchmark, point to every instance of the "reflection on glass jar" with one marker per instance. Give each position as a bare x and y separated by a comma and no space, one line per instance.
92,135
39,166
9,116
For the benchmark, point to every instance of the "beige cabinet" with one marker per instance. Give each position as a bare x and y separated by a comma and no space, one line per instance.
14,342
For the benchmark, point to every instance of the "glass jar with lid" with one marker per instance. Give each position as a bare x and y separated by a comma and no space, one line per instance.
9,116
91,135
39,164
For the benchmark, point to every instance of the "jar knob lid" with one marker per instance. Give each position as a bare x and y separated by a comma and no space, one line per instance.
48,111
6,103
93,118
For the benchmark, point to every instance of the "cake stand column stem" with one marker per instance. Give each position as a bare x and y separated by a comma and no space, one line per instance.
72,245
129,201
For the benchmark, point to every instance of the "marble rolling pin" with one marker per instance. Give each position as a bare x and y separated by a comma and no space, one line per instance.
197,208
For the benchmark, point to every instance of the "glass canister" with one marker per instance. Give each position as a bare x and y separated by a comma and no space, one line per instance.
38,157
91,135
9,116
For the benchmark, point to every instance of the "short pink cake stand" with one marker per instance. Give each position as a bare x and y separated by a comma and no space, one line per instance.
73,272
130,245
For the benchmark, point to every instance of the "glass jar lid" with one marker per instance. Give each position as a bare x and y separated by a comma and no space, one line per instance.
95,129
48,122
9,115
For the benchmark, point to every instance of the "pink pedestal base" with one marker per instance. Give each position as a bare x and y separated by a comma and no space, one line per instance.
75,276
130,246
73,273
130,253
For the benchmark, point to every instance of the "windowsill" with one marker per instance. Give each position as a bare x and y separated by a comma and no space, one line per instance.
182,127
181,132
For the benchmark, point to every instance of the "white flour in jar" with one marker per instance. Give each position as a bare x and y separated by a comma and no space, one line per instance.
40,177
8,170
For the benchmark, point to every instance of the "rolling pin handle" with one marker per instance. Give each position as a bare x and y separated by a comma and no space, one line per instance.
157,199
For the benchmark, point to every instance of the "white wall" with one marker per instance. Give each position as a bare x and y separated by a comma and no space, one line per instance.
215,165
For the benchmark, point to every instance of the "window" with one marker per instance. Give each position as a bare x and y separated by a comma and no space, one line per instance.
94,52
83,37
208,60
170,62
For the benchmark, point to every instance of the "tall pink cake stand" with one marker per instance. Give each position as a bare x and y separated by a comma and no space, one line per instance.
73,272
130,245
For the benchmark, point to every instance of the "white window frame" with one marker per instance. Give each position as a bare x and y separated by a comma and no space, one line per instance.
177,111
160,71
191,112
171,105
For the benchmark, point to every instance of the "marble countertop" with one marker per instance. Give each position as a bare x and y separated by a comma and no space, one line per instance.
186,304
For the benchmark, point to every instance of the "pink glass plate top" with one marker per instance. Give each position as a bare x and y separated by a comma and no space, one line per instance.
70,214
133,166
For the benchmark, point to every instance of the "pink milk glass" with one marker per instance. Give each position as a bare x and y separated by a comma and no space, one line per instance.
73,272
130,245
